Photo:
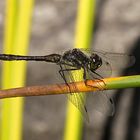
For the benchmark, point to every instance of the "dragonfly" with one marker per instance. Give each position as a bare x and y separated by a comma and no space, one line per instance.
92,64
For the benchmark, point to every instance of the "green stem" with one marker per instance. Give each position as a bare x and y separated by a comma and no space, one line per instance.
122,82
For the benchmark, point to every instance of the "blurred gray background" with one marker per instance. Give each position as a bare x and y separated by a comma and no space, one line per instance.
117,29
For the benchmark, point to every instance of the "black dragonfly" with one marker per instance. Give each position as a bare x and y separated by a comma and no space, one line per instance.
95,65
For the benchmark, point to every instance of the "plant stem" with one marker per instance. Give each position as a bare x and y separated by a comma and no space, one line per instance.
94,85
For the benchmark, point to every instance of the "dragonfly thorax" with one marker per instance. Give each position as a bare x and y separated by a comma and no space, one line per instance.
95,62
75,58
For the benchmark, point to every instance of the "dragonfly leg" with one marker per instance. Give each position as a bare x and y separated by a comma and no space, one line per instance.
85,79
84,74
62,74
99,78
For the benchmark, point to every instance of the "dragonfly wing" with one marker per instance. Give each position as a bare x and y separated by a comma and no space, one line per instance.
101,102
117,60
77,99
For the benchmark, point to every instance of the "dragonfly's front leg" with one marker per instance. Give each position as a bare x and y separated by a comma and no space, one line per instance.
62,74
98,78
85,77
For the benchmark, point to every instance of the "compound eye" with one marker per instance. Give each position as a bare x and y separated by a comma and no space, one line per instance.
95,58
96,61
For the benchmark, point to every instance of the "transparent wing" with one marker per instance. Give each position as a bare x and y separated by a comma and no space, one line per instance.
117,60
77,99
101,102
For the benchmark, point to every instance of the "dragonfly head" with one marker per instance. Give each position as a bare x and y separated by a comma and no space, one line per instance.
95,62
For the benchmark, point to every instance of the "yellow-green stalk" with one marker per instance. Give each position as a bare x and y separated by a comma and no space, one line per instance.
17,30
83,36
